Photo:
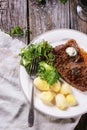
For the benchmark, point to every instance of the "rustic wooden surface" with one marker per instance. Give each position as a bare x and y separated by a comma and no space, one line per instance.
14,13
53,15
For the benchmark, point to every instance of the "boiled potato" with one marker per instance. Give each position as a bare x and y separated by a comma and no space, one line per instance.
61,102
71,100
56,87
47,97
41,84
65,89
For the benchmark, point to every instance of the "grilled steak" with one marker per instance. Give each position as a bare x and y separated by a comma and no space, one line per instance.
71,65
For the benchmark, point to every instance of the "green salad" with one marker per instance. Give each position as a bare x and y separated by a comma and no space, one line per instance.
43,52
48,72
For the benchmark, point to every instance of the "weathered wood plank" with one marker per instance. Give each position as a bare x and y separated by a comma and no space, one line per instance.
3,4
76,22
14,14
53,15
42,18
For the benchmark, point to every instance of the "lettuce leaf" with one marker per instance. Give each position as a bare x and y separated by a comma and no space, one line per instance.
48,72
41,51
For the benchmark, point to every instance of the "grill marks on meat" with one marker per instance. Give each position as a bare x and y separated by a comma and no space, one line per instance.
72,69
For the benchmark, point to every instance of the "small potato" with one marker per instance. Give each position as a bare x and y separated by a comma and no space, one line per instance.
61,102
47,97
65,89
41,84
56,87
71,100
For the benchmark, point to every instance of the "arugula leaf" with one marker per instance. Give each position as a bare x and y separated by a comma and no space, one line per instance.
41,51
48,72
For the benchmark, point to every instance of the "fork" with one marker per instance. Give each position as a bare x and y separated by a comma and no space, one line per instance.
33,71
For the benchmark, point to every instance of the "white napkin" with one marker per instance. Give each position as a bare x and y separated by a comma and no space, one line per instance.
14,106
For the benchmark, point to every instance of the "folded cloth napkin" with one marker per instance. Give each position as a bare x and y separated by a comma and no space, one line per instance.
14,106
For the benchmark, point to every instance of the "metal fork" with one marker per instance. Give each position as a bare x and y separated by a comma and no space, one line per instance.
33,71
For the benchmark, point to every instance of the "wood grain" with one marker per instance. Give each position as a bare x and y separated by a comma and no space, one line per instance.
52,15
12,15
76,22
3,4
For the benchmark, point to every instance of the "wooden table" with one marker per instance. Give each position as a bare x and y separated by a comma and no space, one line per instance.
52,15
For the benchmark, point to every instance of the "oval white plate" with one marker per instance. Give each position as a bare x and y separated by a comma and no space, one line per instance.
56,37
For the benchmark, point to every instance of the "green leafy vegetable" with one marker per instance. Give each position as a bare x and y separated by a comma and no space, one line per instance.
63,1
16,31
48,72
41,51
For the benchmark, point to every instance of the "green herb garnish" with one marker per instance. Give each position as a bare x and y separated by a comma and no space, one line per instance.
63,1
16,31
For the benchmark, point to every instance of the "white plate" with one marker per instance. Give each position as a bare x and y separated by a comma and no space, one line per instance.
57,37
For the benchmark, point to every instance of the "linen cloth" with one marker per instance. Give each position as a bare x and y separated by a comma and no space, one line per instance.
14,106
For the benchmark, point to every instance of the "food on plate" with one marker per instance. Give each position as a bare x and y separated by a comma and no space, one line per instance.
59,94
71,64
67,61
41,84
48,72
61,102
42,53
47,97
65,89
56,86
84,54
71,100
